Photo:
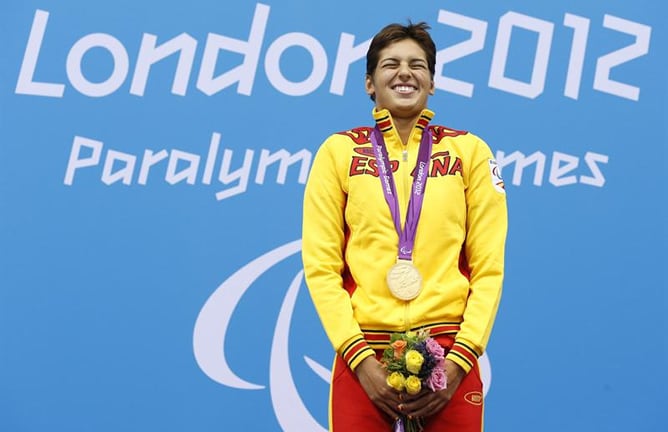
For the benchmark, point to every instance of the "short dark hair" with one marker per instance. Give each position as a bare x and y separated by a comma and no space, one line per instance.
397,32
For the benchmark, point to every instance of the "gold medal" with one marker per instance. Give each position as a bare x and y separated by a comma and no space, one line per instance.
404,280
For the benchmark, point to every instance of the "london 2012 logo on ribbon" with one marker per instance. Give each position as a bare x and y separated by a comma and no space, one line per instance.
211,330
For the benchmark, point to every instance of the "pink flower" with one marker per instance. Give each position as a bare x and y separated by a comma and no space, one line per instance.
434,348
437,380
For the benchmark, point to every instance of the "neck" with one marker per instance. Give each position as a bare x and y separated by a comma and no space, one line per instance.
404,127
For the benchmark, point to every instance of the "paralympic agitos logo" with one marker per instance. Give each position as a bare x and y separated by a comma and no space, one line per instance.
211,329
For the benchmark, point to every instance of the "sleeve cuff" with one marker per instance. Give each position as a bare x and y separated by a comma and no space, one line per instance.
355,351
463,355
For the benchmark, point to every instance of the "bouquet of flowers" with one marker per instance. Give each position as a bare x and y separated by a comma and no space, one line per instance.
414,360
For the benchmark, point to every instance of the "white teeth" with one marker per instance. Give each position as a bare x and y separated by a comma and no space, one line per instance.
404,89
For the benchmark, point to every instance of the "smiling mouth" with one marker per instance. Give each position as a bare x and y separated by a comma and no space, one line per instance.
404,89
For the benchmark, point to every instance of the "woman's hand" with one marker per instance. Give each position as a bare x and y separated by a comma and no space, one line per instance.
373,378
427,402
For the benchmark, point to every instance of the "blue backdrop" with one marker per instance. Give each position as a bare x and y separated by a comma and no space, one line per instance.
153,157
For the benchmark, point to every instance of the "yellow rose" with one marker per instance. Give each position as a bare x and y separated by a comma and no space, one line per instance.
414,361
396,380
413,385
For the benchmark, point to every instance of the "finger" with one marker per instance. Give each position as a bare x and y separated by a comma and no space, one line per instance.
422,407
387,410
394,398
412,403
409,409
394,411
422,412
391,405
427,410
421,394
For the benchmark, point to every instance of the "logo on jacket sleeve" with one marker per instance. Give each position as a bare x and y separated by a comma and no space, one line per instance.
495,172
474,398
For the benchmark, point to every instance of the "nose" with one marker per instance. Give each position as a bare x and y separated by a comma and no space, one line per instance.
404,70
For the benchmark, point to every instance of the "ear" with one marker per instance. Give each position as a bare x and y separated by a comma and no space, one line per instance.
368,85
432,89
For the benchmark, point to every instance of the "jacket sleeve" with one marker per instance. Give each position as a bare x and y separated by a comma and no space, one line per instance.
486,225
323,249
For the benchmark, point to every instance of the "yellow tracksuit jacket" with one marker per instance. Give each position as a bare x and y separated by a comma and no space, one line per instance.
349,240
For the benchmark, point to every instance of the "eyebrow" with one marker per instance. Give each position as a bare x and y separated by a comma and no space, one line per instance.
395,59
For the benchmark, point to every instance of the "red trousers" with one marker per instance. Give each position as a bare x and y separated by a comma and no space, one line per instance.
351,410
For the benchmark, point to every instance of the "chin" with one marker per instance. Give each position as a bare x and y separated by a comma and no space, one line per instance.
406,110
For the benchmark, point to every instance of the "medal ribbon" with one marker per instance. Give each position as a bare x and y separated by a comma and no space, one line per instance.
406,235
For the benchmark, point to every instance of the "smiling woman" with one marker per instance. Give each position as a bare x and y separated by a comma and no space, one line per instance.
123,216
372,273
402,83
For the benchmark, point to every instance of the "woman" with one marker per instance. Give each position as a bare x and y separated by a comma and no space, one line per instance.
404,229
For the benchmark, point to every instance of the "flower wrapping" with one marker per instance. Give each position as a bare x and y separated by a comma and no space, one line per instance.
414,360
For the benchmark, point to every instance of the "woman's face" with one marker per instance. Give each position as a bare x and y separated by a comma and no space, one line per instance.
401,82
